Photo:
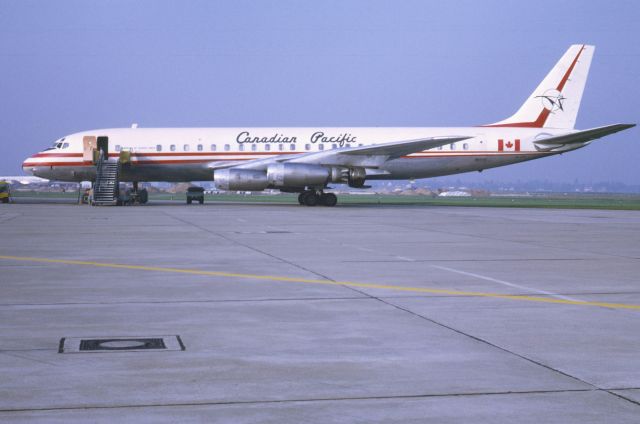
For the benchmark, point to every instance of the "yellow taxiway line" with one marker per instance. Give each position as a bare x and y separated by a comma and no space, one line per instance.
325,282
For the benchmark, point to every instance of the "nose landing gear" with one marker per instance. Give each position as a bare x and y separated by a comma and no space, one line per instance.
313,198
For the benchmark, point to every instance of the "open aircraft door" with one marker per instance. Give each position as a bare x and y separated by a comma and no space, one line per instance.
103,144
89,145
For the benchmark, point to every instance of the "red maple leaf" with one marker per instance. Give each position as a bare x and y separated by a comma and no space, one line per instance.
509,144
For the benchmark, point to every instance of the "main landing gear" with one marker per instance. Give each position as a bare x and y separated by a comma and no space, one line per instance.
314,198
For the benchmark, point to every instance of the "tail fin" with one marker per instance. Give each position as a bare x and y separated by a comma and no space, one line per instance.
555,103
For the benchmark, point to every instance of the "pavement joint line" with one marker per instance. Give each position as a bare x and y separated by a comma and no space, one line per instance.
311,400
248,246
506,283
491,344
618,395
481,340
478,260
526,298
172,302
14,354
278,299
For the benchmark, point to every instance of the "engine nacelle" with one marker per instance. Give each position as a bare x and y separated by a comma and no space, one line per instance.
297,175
240,179
357,177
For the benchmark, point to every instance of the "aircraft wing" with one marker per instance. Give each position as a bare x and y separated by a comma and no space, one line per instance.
247,164
221,164
371,156
573,140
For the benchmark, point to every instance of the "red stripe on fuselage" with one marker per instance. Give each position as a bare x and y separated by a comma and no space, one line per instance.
276,152
197,161
56,164
57,155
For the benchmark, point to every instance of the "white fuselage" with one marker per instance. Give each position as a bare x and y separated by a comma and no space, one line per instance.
184,154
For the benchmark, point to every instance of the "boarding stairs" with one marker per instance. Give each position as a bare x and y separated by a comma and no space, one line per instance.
106,187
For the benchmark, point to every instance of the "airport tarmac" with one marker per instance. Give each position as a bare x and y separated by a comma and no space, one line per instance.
354,314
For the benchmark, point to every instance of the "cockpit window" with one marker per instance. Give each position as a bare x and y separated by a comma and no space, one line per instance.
59,144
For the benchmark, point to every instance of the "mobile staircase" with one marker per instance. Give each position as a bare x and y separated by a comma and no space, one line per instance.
106,187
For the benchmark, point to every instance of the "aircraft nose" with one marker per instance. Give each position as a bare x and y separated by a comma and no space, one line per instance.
27,165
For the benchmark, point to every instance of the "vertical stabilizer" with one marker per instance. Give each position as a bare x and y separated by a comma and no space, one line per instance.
555,102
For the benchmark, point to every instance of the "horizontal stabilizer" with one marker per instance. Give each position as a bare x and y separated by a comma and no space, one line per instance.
571,141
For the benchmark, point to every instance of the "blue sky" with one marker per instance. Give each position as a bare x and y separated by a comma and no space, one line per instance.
68,66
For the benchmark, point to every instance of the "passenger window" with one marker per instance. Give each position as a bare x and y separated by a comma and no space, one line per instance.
199,147
118,147
213,147
334,146
267,147
227,147
254,147
292,147
241,147
281,147
320,146
453,146
172,147
186,147
360,145
158,147
465,146
348,145
307,146
439,147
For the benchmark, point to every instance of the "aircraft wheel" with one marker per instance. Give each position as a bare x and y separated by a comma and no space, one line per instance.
301,197
328,199
311,199
201,201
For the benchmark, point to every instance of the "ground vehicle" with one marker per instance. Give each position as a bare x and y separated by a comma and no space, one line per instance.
5,192
195,193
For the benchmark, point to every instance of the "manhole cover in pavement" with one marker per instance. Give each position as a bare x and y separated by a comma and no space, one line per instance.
120,344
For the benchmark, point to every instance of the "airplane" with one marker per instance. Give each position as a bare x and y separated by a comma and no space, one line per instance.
22,179
308,160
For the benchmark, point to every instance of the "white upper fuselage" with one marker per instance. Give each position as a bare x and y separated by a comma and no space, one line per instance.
186,152
195,154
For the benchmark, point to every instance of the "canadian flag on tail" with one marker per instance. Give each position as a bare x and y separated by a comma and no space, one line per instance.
509,146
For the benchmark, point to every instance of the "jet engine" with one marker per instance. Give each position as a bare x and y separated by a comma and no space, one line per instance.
356,177
287,175
240,179
297,175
